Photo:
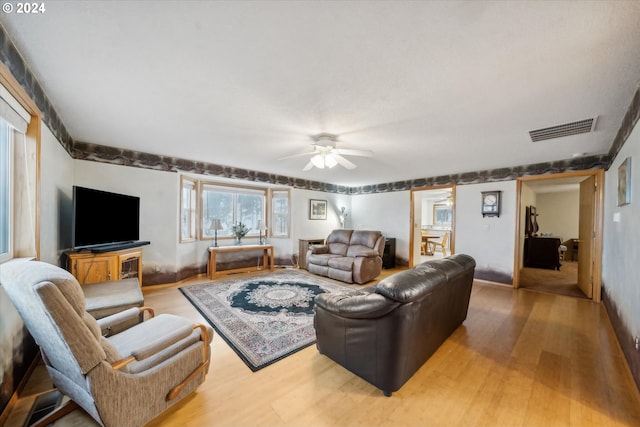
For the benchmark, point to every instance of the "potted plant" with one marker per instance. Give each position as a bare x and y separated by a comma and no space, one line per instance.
239,230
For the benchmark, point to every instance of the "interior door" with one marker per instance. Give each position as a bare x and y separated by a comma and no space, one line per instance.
586,235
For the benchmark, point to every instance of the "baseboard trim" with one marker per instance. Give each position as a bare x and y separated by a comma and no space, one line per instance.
624,337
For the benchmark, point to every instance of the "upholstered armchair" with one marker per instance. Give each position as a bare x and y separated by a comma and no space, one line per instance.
348,255
125,379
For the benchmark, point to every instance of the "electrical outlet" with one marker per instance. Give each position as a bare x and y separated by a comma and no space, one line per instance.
637,343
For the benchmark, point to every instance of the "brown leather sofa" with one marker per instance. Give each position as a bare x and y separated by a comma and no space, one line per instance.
385,333
348,255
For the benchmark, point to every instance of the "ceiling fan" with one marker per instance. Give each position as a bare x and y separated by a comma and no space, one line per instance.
325,154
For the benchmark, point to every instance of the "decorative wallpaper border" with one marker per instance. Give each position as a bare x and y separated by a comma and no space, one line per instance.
628,123
10,56
125,157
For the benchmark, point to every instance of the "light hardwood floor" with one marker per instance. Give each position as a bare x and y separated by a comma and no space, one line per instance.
521,358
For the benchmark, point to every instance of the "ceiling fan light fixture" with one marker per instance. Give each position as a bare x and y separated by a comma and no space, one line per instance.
325,154
318,161
330,161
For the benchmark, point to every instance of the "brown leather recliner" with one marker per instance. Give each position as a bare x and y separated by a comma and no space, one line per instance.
385,333
348,255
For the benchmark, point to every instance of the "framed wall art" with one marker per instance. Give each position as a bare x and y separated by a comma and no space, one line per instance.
317,209
624,182
442,214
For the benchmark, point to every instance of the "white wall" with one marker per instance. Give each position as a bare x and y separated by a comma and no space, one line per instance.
621,251
558,213
159,201
490,240
304,228
387,212
56,181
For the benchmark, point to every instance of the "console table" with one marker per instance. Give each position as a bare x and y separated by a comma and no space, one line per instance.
212,270
303,247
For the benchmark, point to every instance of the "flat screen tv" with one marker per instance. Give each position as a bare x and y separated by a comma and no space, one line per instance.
102,218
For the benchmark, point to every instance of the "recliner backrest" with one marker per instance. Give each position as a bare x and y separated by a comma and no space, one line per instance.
365,239
338,241
51,303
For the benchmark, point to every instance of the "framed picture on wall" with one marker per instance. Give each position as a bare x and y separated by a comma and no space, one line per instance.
442,214
317,209
624,182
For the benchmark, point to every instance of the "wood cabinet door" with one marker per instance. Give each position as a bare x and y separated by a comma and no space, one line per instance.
130,265
94,269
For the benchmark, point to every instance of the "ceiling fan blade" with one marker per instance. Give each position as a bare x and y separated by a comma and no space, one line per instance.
308,167
297,155
343,162
348,152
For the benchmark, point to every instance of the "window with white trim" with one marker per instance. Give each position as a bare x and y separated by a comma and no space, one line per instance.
6,193
232,206
188,209
280,213
212,208
14,121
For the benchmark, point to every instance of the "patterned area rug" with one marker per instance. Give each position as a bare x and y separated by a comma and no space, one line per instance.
264,318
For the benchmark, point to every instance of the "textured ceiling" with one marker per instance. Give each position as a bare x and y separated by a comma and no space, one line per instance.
430,87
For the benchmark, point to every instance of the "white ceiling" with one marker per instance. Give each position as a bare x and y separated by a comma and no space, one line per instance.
430,87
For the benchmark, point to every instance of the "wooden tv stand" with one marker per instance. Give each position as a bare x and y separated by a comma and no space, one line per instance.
89,267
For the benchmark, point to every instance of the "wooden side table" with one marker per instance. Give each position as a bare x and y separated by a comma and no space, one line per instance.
303,246
213,272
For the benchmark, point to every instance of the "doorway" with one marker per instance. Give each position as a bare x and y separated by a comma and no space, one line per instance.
563,213
432,223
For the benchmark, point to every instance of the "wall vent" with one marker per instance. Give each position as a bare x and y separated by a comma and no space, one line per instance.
574,128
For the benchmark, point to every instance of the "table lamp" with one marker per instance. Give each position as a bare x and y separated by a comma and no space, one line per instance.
261,228
215,226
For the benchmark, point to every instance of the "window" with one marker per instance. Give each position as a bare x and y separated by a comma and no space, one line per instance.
6,171
231,205
202,202
279,213
17,233
188,209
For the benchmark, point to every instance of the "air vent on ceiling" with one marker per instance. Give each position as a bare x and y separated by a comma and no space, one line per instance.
574,128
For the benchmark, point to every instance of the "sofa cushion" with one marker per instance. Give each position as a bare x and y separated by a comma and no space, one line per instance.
341,263
338,241
446,266
319,249
338,248
322,270
411,285
321,259
340,236
363,304
365,238
342,275
361,250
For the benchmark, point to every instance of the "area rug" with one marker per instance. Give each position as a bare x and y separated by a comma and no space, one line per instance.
263,318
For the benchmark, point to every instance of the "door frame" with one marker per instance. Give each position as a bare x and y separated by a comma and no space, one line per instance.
413,219
598,209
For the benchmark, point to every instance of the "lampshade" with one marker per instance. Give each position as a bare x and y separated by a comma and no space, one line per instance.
324,160
215,225
330,161
318,161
